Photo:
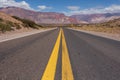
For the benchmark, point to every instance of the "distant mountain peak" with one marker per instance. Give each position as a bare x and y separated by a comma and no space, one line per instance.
96,18
59,18
39,17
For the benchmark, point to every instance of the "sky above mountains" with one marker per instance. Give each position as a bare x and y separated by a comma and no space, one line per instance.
69,7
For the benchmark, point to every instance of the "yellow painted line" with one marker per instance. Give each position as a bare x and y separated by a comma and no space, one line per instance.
66,65
49,73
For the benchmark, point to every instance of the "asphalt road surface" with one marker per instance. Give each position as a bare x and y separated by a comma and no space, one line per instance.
60,54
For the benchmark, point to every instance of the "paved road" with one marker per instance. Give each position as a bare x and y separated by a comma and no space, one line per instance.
26,58
92,57
60,55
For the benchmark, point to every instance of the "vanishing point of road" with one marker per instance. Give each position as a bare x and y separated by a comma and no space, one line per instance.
60,54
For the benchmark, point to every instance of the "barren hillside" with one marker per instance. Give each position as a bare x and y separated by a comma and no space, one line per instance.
10,23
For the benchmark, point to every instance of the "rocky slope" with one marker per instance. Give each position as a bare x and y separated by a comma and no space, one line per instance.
10,23
8,18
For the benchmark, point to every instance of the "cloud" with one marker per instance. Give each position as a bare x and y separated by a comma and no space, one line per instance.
21,4
73,8
43,7
109,9
113,8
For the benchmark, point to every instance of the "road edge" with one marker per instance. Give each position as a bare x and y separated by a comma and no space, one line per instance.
11,37
99,35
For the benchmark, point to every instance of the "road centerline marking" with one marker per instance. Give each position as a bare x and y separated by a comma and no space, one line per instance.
50,70
66,65
49,73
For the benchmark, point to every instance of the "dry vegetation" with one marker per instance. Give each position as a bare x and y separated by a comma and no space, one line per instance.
27,23
112,26
100,29
11,23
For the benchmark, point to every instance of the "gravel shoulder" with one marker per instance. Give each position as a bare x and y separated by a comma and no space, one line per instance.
113,36
20,33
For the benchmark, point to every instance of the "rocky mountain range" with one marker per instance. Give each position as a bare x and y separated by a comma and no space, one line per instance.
58,18
39,17
96,18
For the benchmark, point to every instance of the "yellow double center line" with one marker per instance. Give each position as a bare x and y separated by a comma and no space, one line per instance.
49,73
66,66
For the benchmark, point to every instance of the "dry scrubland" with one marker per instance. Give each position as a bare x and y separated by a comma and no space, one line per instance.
112,27
14,27
13,23
114,30
109,29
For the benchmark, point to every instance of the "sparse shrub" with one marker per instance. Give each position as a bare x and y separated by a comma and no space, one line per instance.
15,17
1,19
119,25
17,26
28,23
10,23
5,27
